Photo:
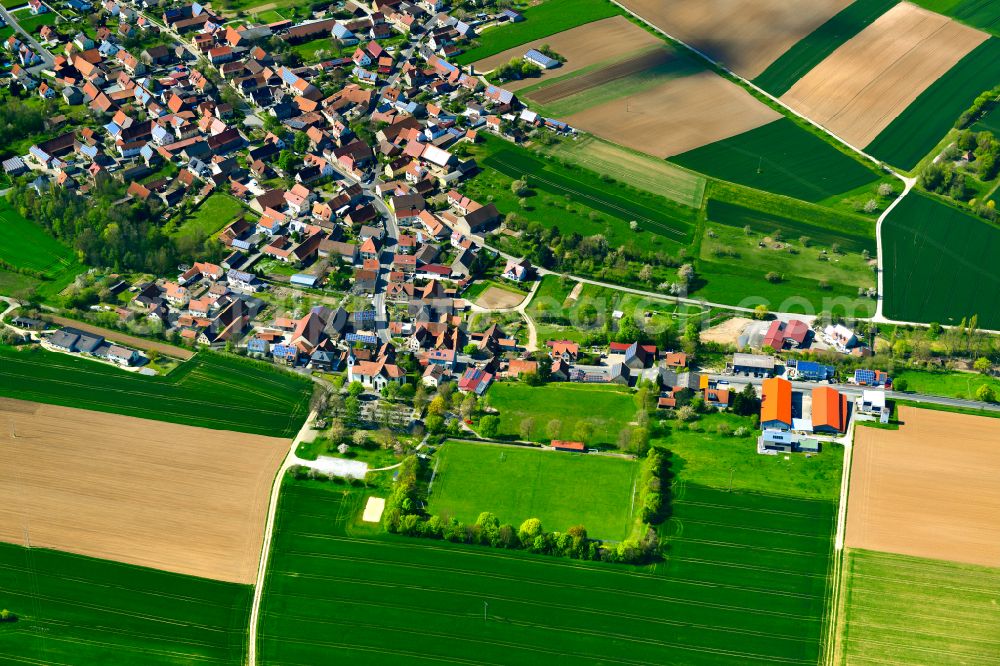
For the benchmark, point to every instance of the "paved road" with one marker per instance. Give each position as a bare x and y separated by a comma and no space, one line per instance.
855,391
385,263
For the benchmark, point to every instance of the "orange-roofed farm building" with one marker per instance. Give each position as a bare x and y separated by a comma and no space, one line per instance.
829,410
560,445
776,404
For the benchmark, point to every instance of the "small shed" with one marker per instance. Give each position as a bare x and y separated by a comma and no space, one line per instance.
560,445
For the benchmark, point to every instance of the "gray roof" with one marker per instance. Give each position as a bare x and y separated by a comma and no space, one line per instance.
754,361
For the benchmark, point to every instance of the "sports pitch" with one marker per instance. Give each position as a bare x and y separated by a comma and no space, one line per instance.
80,610
560,489
745,582
209,391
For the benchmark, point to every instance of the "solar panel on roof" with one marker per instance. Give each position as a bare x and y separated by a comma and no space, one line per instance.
364,339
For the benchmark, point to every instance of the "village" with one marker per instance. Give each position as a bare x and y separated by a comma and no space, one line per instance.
350,174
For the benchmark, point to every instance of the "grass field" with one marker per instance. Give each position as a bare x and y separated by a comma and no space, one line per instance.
210,391
17,285
703,456
212,215
27,246
652,213
540,20
730,283
982,14
919,128
813,281
608,409
909,610
558,317
940,264
80,610
658,177
809,52
782,158
990,122
32,24
949,384
479,286
840,274
823,226
744,582
560,489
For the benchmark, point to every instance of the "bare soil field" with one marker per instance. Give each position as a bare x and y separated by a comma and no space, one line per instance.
727,333
928,489
589,44
495,298
172,497
744,35
679,115
618,70
125,338
863,85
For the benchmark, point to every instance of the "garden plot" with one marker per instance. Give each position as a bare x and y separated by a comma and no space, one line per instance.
865,84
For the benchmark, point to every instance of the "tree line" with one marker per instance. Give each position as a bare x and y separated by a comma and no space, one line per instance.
105,229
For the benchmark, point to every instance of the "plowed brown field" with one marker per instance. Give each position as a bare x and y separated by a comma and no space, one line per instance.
172,497
744,35
601,41
676,116
929,489
863,85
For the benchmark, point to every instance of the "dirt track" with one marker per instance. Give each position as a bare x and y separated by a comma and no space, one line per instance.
929,489
601,41
618,70
863,85
172,497
744,35
679,115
